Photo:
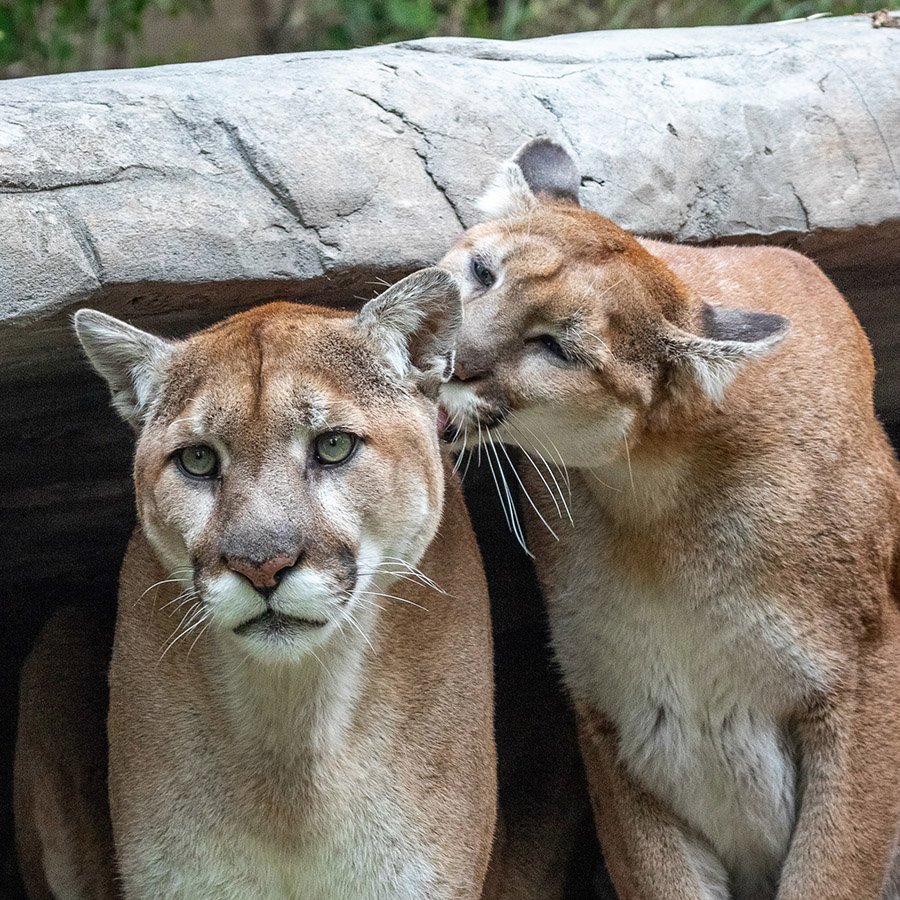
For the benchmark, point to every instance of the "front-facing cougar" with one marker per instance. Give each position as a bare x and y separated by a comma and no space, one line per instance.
301,686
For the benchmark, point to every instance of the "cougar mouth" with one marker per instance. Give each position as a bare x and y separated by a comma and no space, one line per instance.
443,420
274,624
485,419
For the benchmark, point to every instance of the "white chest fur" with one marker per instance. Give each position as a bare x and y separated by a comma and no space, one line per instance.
699,689
356,843
279,798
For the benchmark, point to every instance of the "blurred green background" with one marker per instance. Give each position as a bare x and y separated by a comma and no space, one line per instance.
42,36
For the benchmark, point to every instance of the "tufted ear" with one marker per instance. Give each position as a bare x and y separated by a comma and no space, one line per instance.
730,338
131,360
415,323
539,167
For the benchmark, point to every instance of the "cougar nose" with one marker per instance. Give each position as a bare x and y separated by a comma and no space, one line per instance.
266,575
466,371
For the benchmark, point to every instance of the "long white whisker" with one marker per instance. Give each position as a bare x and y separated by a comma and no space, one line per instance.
193,617
405,577
354,623
514,509
469,455
167,580
628,459
191,599
186,595
391,597
188,617
200,634
596,477
514,516
527,495
199,623
410,573
319,661
563,473
595,337
561,468
497,486
534,465
454,420
240,663
371,603
459,456
415,571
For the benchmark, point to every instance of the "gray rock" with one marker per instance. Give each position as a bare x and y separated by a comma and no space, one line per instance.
290,167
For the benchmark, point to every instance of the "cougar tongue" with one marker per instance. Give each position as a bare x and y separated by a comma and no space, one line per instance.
443,420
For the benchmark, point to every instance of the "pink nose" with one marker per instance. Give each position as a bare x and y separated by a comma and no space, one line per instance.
264,575
464,372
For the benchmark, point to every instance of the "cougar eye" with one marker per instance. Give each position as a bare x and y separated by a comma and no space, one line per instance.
198,461
334,447
483,275
551,344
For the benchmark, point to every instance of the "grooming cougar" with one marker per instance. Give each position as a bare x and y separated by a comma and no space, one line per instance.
724,608
301,686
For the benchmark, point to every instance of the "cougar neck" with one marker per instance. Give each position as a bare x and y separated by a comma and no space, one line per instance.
292,711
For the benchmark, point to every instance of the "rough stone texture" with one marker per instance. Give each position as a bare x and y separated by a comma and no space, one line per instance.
174,195
290,168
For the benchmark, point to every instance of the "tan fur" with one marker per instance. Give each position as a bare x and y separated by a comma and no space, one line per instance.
354,758
724,608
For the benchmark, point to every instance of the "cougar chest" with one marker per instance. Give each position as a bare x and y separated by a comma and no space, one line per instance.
699,685
352,839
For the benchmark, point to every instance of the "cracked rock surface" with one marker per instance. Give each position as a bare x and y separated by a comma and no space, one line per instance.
292,167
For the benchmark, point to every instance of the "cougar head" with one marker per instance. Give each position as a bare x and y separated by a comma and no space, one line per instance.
572,328
287,458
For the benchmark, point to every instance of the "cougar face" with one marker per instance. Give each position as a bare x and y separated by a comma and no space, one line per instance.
574,334
539,339
287,463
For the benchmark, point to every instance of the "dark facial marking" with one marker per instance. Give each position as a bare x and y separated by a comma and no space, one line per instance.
275,625
347,570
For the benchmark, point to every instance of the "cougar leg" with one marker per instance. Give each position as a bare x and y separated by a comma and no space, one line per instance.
649,854
63,832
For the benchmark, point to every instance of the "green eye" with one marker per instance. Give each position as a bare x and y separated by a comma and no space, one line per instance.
198,461
334,447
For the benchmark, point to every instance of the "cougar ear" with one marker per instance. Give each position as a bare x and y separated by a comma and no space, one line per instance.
731,337
415,323
129,359
539,167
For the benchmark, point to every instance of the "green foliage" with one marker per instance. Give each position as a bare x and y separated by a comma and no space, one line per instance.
55,35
